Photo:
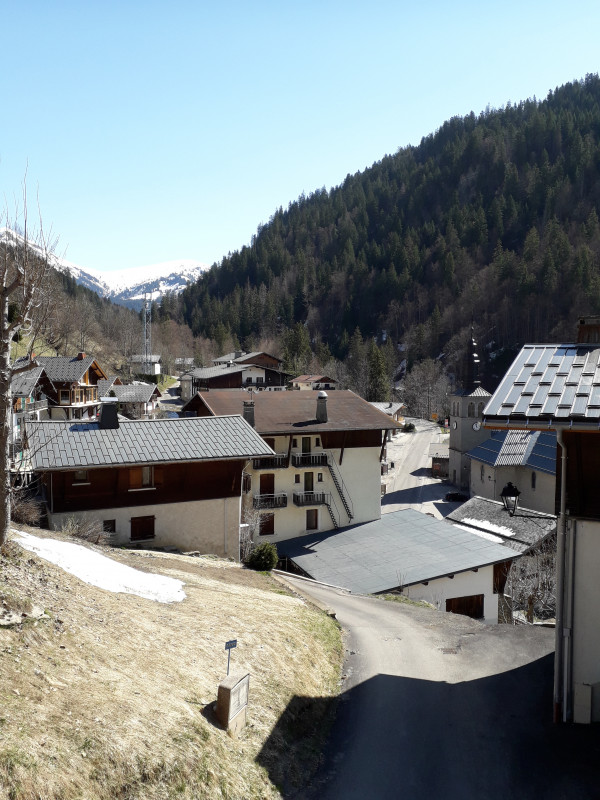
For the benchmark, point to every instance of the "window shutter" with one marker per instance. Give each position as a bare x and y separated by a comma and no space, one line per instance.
158,476
135,477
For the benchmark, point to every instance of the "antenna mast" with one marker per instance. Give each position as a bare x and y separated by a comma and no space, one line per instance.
147,343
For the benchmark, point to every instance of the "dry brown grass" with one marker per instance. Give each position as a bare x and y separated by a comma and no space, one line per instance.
110,695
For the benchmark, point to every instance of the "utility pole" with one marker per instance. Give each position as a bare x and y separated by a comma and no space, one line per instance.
147,342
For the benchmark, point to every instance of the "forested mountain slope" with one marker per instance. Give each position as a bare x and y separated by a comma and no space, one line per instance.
492,218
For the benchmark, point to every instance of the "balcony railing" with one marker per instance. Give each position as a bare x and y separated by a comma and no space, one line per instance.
309,459
270,462
312,498
270,500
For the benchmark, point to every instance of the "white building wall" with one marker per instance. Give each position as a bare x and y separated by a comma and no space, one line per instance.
209,526
253,374
360,470
490,483
586,612
464,584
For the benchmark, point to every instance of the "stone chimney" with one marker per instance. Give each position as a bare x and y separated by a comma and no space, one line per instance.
588,330
322,407
109,419
249,412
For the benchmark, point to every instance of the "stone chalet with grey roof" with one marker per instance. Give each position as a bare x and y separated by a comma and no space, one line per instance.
556,387
326,472
151,483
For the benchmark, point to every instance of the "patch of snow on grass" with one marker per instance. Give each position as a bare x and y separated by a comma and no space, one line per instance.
101,571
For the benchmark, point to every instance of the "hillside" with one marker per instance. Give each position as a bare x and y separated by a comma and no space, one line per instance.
109,695
492,218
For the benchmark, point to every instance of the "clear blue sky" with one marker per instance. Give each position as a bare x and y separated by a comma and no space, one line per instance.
154,131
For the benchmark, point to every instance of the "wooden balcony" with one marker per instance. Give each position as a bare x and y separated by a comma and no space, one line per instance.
270,462
278,500
312,498
309,459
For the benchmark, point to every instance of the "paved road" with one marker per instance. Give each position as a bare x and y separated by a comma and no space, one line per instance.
441,706
411,485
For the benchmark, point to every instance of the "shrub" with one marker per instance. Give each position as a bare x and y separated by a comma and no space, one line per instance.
90,530
263,557
409,427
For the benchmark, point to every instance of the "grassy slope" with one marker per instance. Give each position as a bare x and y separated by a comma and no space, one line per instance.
110,695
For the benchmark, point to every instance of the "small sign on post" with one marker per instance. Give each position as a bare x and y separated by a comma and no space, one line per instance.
229,647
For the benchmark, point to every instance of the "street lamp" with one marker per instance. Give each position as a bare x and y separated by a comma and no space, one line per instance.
510,498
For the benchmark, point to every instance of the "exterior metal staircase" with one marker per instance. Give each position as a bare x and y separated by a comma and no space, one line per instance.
341,488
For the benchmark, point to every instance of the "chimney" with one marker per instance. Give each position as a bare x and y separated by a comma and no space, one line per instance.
588,330
109,419
322,407
80,356
249,412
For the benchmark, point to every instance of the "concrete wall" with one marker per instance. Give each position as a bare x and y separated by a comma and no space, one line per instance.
463,584
210,526
360,471
586,610
495,479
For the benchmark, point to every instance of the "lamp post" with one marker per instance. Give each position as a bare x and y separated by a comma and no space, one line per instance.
510,498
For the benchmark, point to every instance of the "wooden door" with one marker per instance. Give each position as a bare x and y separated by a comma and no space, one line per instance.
309,482
306,444
267,483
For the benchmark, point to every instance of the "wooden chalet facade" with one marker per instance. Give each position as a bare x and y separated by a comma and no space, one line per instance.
161,483
75,385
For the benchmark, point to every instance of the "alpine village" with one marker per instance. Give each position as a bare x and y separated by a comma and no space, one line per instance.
390,395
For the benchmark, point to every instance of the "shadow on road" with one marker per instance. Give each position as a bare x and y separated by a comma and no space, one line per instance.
430,492
490,739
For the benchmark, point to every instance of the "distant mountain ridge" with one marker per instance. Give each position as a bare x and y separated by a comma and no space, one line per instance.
126,287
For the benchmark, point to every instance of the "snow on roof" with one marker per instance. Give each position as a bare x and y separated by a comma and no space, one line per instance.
99,570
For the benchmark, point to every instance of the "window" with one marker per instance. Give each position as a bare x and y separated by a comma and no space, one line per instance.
246,482
533,480
294,442
270,442
65,397
471,410
267,524
142,528
141,478
81,476
319,477
317,442
312,519
297,478
109,525
260,379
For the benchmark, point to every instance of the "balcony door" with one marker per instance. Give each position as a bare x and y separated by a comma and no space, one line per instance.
309,482
267,483
306,445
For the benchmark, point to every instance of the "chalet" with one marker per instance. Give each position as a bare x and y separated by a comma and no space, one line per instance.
326,471
314,382
557,387
29,397
142,365
152,483
137,400
525,458
75,385
256,358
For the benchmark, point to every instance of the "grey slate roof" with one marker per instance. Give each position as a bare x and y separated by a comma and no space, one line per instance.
136,392
403,547
534,449
104,386
23,383
525,530
212,372
549,384
68,445
65,369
